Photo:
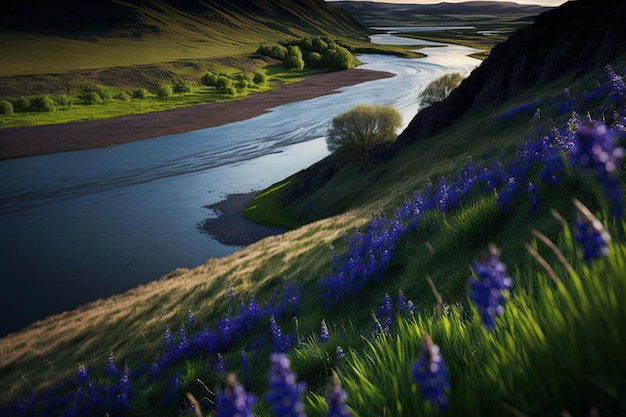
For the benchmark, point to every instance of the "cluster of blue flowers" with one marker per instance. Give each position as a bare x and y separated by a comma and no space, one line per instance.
589,145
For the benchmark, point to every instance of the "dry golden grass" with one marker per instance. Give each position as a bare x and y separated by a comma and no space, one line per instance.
50,350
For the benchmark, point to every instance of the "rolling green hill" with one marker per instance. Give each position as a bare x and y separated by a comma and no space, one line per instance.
422,213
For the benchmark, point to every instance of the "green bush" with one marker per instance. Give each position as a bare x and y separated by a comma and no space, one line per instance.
259,78
164,91
122,96
437,90
92,98
209,79
140,93
6,107
223,83
182,86
294,60
357,130
42,104
21,104
64,101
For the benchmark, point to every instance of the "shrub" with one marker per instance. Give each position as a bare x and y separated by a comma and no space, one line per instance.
223,83
259,77
140,93
6,107
92,98
122,96
294,60
362,127
314,59
64,100
43,104
164,91
21,104
232,91
437,90
209,79
181,87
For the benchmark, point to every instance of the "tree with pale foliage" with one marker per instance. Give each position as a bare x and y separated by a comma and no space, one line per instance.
357,130
437,90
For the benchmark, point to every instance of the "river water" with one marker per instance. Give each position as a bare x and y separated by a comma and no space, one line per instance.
78,226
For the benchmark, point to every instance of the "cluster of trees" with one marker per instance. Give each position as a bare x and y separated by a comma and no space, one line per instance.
318,52
233,84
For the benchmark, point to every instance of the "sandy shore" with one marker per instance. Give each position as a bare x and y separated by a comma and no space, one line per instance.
29,141
230,227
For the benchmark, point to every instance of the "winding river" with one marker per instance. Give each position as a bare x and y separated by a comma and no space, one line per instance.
78,226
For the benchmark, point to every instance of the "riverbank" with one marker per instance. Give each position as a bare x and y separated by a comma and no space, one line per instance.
39,140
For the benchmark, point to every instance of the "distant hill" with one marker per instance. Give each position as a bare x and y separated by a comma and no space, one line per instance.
368,12
214,19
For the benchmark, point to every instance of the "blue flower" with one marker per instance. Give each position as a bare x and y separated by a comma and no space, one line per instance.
82,373
595,152
339,354
190,319
285,393
221,364
590,233
431,375
336,400
110,369
324,336
234,401
489,287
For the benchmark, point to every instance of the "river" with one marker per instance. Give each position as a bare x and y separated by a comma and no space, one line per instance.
78,226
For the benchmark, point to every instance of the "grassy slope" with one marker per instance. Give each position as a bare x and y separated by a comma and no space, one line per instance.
132,324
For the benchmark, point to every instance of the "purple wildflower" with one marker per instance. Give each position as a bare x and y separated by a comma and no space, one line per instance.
168,337
336,399
324,336
384,317
234,401
489,287
339,354
190,319
277,336
82,373
221,365
431,375
589,232
594,151
110,369
285,393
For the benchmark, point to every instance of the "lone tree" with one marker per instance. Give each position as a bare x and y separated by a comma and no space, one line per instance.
357,130
437,90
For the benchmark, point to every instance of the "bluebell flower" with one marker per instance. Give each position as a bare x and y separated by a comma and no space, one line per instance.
590,233
384,317
339,354
168,338
324,336
336,399
221,365
595,152
110,369
190,319
234,401
489,287
431,375
83,376
278,342
285,393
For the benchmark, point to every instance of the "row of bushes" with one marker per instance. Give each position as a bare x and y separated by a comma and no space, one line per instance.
318,52
96,94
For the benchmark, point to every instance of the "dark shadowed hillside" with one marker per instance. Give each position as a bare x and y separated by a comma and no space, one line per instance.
210,18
